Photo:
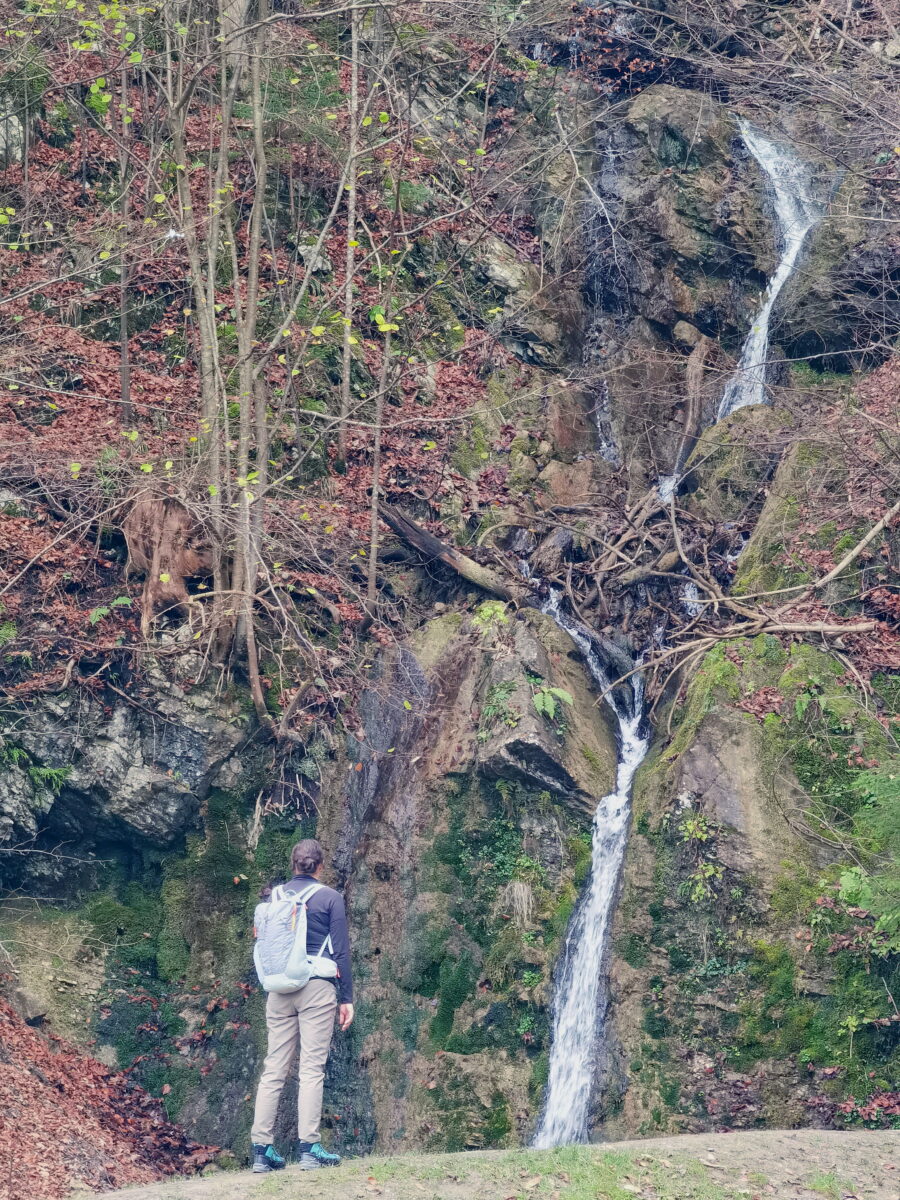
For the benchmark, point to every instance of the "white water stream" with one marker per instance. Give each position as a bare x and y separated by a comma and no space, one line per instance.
797,210
579,985
575,1035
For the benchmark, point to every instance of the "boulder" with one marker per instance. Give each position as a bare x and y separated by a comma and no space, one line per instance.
566,483
12,139
576,767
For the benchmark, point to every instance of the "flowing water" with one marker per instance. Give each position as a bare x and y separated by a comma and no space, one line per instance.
690,599
579,981
797,211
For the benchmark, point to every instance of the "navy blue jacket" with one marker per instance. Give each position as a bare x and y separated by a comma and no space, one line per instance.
326,916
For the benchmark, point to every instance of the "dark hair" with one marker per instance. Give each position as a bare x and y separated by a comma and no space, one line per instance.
306,857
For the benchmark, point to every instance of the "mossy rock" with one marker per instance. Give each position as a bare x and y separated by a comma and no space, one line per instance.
733,461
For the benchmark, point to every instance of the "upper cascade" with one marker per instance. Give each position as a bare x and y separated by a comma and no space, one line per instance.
798,210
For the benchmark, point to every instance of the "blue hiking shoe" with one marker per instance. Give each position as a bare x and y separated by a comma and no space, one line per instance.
315,1156
266,1158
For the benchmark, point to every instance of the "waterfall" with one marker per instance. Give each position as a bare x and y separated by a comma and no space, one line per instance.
797,210
579,992
690,599
577,995
606,441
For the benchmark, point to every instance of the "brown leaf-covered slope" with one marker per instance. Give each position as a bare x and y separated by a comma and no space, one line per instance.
68,1121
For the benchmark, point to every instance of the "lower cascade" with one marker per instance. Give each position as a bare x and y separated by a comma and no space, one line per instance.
576,1035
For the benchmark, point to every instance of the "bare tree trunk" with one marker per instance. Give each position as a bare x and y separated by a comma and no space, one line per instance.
372,581
251,484
124,358
350,260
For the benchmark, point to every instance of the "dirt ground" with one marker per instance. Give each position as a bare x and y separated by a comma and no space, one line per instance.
788,1165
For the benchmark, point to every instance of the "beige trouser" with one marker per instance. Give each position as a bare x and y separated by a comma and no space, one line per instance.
307,1017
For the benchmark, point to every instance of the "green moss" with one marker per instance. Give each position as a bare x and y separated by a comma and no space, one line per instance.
794,893
565,906
130,925
679,959
405,1026
173,952
455,983
472,452
497,1125
717,679
655,1022
540,1073
633,949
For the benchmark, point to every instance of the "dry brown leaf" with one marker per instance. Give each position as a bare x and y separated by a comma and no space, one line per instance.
530,1184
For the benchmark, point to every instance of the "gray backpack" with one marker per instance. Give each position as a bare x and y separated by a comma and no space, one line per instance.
282,963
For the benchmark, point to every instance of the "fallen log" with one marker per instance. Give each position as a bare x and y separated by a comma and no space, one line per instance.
432,548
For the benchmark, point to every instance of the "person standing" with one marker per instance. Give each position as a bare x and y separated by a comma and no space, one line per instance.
304,1016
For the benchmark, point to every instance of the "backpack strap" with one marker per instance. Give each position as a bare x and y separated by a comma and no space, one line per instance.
303,897
326,945
306,894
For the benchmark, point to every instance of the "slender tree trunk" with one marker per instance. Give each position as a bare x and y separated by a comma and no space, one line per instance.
124,357
350,261
253,433
372,582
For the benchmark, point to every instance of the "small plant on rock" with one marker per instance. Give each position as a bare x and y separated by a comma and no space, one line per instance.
547,700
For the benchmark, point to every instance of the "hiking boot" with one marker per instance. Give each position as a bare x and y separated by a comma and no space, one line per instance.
266,1158
315,1156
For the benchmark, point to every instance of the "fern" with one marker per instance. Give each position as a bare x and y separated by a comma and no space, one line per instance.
545,700
49,777
14,755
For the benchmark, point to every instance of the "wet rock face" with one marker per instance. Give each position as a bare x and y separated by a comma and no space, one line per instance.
456,840
89,777
577,768
683,223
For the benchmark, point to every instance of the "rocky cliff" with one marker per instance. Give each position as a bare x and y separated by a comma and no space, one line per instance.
141,809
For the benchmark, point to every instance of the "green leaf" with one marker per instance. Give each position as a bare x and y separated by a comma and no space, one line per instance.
165,577
135,56
383,117
562,694
366,121
122,602
146,468
97,614
407,705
